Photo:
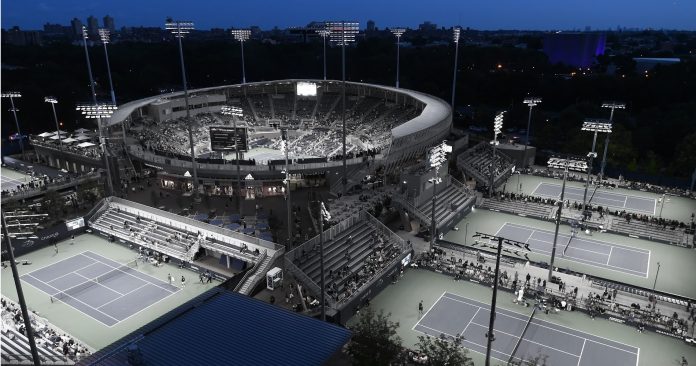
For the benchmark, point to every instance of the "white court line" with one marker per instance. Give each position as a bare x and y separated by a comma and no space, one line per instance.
537,188
538,322
609,256
95,281
76,299
50,264
529,340
117,268
569,238
579,260
69,273
602,197
471,321
625,200
122,295
581,351
431,308
598,242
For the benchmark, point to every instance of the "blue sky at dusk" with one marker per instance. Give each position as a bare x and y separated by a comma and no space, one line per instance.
478,14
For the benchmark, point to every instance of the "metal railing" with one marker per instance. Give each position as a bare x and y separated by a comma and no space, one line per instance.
253,269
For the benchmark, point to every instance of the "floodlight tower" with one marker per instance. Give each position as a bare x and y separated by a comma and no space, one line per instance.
567,163
100,111
242,35
613,106
180,29
531,102
235,113
14,110
53,101
324,33
593,125
497,130
398,32
343,33
85,36
285,147
105,36
436,156
456,31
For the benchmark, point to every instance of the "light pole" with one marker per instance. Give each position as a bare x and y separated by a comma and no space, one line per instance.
655,283
456,31
466,232
343,33
398,32
592,125
99,111
323,215
20,294
613,106
565,164
324,33
180,29
105,36
497,130
53,101
436,156
242,35
235,112
285,147
662,203
531,102
14,110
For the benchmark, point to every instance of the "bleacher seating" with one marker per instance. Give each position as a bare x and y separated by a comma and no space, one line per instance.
447,198
667,234
518,207
477,162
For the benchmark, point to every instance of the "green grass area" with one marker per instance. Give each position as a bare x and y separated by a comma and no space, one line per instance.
79,325
676,272
401,300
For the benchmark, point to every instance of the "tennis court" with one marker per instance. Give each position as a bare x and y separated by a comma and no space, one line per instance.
520,336
101,288
592,252
11,179
601,197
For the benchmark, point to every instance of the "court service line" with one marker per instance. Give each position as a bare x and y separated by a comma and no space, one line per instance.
431,308
127,293
528,340
471,321
579,260
145,274
74,271
581,351
97,282
50,264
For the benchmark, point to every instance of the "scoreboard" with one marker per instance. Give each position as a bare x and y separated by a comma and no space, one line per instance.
222,138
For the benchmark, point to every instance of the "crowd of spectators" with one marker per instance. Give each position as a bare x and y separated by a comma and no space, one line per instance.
37,183
44,333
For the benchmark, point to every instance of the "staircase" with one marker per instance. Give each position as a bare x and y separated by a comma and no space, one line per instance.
256,274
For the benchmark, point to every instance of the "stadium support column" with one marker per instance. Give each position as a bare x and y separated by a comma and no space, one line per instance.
20,294
490,336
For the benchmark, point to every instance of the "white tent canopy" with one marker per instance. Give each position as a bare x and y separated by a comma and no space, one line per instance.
69,140
82,130
82,137
46,134
85,144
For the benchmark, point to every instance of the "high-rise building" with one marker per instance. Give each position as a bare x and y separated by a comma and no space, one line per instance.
76,28
370,25
93,27
109,23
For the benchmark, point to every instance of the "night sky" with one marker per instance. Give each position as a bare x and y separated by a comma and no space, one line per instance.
477,14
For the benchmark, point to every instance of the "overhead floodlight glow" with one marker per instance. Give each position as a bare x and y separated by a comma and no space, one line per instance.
456,31
51,100
324,32
104,35
597,125
614,105
12,94
99,110
398,32
85,35
531,101
241,35
305,89
498,125
231,111
179,28
579,165
342,33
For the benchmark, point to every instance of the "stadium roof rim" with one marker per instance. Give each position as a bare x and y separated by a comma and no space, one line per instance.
434,112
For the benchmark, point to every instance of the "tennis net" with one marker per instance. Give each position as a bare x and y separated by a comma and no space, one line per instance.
531,316
73,291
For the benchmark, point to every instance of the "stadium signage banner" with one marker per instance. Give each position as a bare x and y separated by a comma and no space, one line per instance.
222,138
41,239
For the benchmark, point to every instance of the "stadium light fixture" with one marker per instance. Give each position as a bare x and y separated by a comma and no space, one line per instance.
235,112
456,31
242,35
398,32
53,101
180,28
105,36
100,111
531,102
596,126
497,130
566,163
437,156
324,33
613,105
343,33
12,95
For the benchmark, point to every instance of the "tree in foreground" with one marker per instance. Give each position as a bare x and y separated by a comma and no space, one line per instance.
374,340
443,351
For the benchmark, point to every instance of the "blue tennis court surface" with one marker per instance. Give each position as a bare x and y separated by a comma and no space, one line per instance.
602,198
454,315
592,252
101,288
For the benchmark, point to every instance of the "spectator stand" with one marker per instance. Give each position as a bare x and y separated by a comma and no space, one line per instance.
477,162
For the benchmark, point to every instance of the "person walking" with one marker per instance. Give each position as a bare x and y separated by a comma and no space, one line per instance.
183,281
420,309
170,278
209,276
200,277
72,239
529,277
55,246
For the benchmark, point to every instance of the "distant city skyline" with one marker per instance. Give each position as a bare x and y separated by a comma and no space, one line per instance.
476,14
